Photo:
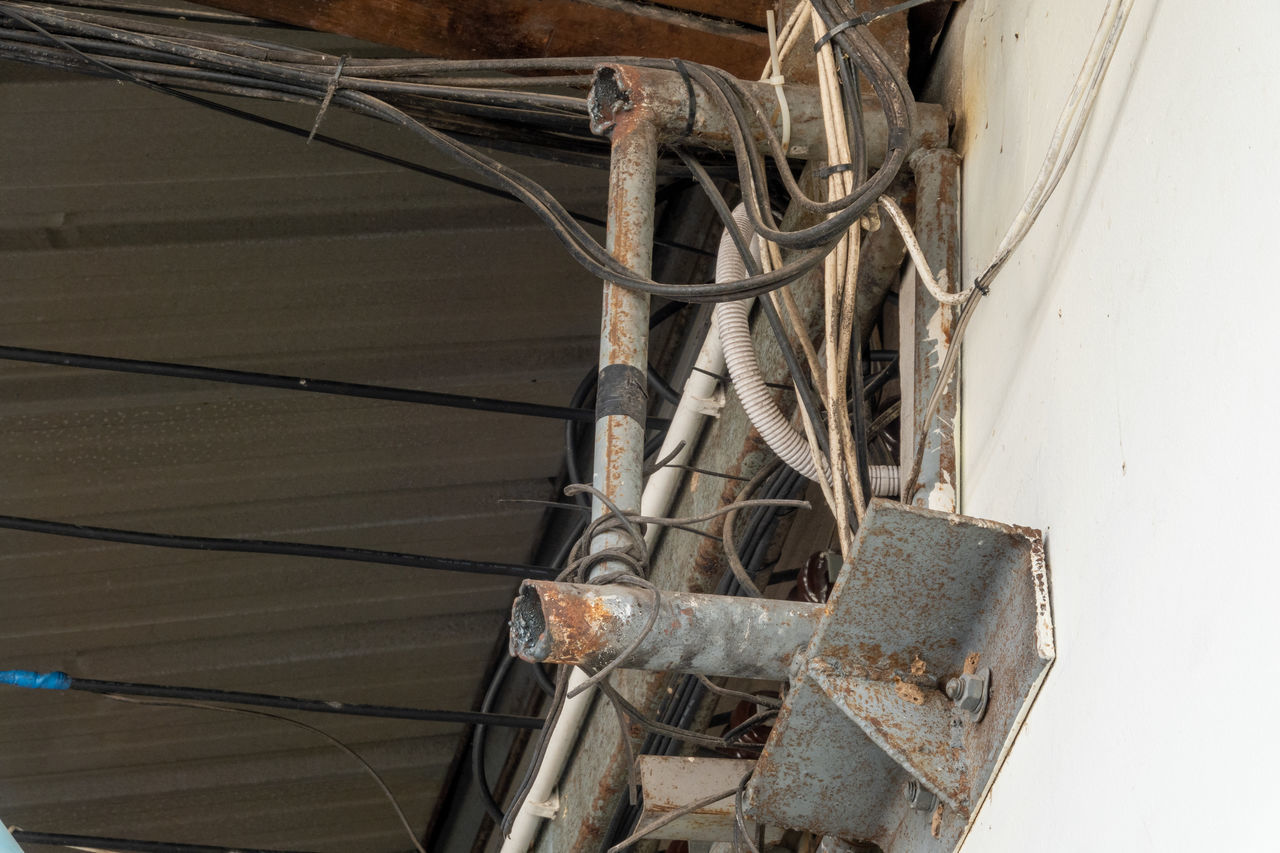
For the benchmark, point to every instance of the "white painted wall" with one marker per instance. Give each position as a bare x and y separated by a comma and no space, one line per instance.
1120,392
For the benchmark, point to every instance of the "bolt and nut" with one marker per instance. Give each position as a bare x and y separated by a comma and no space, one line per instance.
919,797
969,692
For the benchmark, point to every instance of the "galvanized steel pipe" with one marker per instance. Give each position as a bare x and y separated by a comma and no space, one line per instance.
708,634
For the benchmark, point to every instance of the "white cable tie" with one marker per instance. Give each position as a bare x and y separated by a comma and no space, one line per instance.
547,808
709,406
777,80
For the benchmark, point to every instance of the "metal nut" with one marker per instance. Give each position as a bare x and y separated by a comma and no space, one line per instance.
969,692
919,797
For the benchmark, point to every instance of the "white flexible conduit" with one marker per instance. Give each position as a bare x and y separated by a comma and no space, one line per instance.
740,357
732,323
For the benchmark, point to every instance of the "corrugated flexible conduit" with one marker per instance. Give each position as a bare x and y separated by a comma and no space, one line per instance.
732,323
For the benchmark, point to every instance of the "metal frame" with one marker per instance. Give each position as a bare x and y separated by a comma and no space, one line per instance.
927,597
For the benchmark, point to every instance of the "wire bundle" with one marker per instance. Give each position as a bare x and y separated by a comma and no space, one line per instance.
416,95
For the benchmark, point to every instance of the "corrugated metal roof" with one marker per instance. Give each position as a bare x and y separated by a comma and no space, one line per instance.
137,226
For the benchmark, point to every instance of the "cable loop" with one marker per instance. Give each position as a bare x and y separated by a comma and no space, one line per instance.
860,20
692,95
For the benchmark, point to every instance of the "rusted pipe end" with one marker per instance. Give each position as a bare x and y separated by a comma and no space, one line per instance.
567,623
607,98
529,640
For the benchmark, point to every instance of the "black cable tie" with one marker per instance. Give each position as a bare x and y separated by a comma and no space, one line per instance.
866,18
860,20
984,289
692,95
834,170
328,97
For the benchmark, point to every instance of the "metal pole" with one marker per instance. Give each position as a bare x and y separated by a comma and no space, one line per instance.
928,326
708,634
621,396
620,415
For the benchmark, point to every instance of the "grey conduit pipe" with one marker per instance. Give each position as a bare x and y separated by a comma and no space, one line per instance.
734,328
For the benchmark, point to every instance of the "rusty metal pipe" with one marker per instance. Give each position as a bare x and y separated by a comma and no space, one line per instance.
708,634
662,97
621,395
929,326
621,406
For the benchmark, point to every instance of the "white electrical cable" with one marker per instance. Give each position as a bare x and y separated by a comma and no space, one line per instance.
937,287
1066,136
777,80
700,399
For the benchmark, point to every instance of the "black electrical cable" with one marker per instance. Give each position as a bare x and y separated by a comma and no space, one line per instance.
478,738
262,546
438,174
313,81
299,383
124,845
662,387
292,703
200,16
580,397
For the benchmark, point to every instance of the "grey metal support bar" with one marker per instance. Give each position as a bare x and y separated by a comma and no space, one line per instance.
708,634
624,331
927,326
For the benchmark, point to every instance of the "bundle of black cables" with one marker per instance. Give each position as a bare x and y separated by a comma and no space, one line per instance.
408,93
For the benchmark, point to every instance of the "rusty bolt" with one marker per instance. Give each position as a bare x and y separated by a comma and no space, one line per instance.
969,692
919,797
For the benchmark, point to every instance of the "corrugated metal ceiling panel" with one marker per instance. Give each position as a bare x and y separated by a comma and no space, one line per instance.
136,226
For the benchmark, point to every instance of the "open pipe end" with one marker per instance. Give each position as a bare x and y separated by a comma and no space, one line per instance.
569,623
529,638
607,98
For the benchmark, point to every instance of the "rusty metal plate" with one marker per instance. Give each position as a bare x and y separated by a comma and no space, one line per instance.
928,596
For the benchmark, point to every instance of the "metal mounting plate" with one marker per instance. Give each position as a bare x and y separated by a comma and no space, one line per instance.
927,594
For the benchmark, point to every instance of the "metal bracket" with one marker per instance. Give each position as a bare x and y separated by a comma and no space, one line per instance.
929,598
672,782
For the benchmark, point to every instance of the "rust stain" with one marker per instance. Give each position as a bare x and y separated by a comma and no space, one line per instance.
971,662
582,625
911,692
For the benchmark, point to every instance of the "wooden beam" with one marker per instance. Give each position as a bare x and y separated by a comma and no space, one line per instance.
487,29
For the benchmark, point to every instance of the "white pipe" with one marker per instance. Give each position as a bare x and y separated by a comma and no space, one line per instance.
700,398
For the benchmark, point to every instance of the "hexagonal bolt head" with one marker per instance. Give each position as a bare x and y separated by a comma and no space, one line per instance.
969,692
919,797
